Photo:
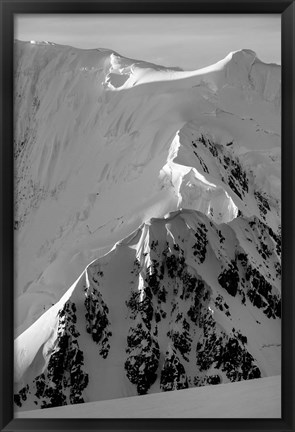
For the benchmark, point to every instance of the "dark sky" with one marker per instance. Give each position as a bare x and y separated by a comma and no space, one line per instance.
189,41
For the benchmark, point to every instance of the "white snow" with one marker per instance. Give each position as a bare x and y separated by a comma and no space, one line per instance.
260,398
73,202
104,153
263,334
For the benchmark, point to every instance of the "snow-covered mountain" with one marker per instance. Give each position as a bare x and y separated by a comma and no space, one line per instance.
147,224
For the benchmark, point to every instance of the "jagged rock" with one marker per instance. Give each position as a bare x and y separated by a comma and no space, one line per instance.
143,358
173,375
229,279
97,322
64,380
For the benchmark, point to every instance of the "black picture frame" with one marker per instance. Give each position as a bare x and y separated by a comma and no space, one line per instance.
8,9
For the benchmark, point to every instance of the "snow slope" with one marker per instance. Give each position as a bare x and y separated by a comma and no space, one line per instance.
147,224
258,398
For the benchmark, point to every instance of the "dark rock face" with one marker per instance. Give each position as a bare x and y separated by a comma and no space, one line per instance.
143,358
97,322
209,145
222,305
182,340
21,396
142,350
246,279
262,295
237,179
64,380
229,279
232,172
202,163
200,246
174,338
193,334
227,353
173,375
213,380
262,203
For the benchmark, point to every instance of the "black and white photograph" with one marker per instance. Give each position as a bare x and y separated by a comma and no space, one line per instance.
147,216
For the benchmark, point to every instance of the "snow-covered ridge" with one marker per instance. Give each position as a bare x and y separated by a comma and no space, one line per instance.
111,155
241,69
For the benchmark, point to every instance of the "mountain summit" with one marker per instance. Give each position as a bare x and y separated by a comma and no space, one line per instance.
147,224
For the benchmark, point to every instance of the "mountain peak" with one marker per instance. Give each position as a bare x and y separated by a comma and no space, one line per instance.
148,243
243,52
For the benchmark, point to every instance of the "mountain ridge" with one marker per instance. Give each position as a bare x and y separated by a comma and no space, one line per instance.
156,265
147,224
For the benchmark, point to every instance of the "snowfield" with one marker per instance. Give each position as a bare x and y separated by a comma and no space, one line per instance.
258,398
147,230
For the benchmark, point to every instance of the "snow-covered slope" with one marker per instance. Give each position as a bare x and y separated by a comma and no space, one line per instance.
258,398
147,224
